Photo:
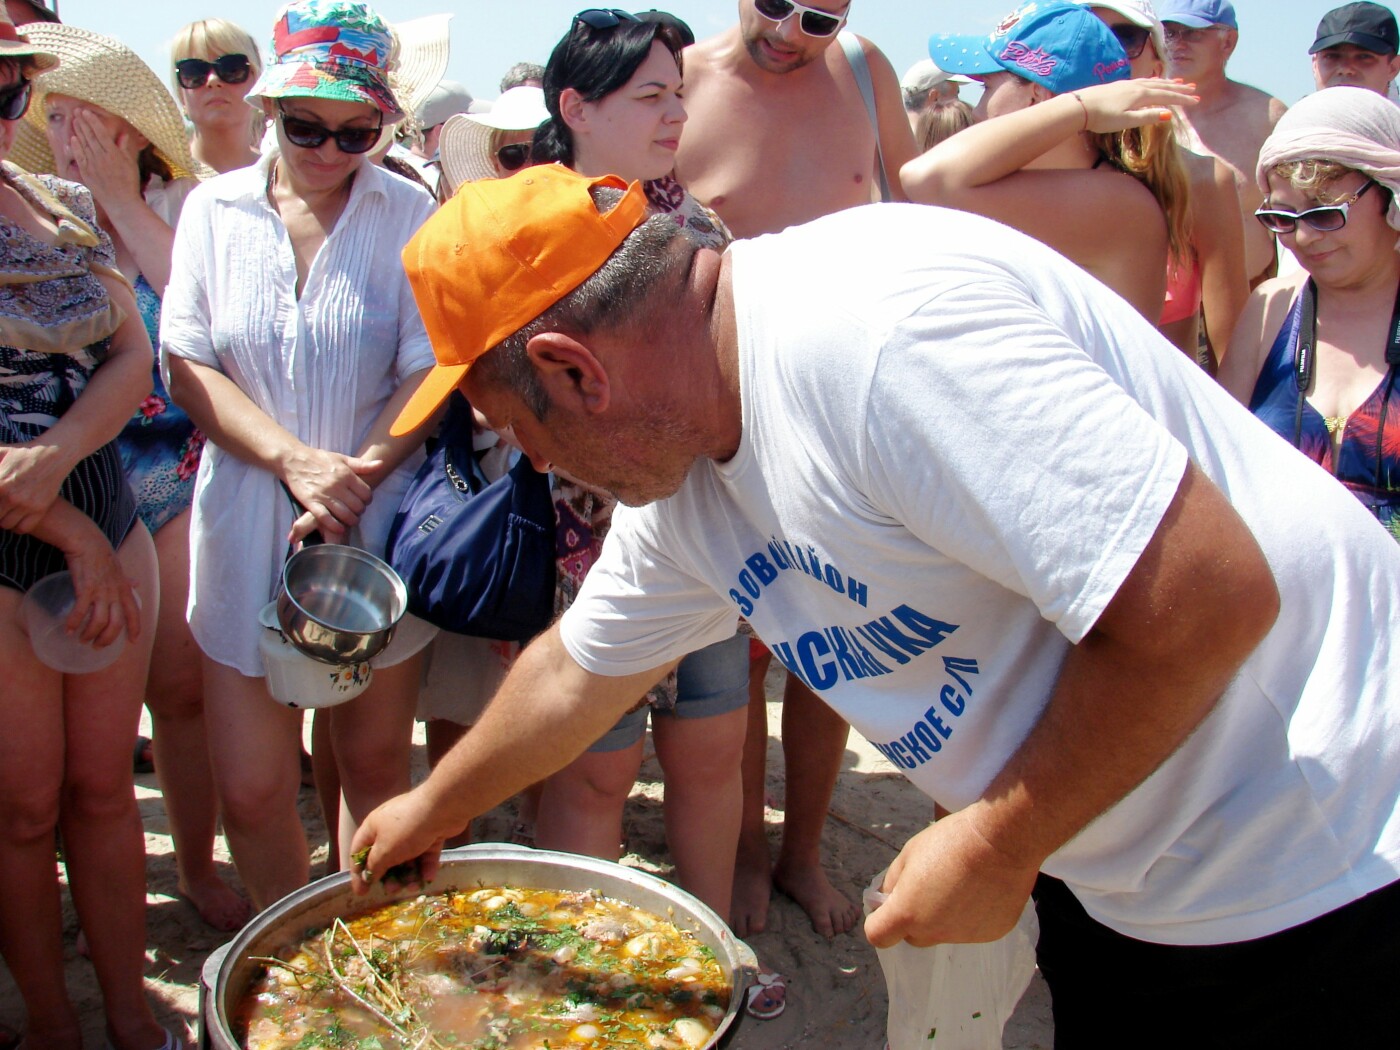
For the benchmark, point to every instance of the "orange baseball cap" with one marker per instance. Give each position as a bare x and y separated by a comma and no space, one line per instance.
499,254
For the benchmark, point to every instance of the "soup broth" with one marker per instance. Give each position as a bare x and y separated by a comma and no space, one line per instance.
497,968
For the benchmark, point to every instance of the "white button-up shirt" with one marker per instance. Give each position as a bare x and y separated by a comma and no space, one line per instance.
323,366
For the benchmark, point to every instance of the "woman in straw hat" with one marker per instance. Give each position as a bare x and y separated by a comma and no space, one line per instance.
103,118
65,759
490,145
213,63
291,337
1317,352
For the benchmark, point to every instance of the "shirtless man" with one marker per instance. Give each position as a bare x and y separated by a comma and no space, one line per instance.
1356,46
778,135
1233,119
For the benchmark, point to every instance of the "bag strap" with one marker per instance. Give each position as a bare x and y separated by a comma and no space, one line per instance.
860,69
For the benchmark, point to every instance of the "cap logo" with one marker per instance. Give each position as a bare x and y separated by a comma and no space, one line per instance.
1104,70
1035,60
1012,20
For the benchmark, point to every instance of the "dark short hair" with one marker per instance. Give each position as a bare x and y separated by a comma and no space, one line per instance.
636,285
595,63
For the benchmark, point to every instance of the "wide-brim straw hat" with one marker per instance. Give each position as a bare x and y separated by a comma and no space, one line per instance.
424,49
108,75
464,149
32,59
331,49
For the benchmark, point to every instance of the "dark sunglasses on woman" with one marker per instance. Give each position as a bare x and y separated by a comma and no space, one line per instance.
14,100
513,157
813,22
1133,38
308,134
194,72
605,17
1327,219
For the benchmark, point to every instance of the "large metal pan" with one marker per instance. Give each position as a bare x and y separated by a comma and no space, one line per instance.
228,974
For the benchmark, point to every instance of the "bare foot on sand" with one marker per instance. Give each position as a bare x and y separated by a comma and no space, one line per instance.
752,888
829,909
217,903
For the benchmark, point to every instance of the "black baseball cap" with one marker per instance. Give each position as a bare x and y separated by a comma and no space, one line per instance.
1368,26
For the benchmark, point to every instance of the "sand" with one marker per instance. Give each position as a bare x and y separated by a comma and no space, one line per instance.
836,995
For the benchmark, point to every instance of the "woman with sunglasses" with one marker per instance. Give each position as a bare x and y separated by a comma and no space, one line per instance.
1316,353
1209,284
612,87
291,337
491,145
104,119
1067,149
76,363
213,63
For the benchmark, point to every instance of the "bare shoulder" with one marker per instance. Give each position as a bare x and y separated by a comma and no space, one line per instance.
709,57
1259,105
1259,323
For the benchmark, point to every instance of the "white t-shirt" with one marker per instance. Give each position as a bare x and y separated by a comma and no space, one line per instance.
323,365
949,465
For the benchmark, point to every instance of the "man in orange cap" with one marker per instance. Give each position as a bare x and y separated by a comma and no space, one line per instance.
1055,612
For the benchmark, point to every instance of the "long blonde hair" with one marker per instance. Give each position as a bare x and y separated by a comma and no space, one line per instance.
1151,156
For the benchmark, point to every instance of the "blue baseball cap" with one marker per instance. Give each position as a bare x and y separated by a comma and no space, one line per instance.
1060,46
1198,14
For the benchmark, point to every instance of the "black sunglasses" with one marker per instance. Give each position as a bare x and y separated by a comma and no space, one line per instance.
513,157
14,100
605,17
308,134
813,22
1133,38
194,72
1327,219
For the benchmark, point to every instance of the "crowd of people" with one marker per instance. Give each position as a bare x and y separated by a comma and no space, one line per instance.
777,424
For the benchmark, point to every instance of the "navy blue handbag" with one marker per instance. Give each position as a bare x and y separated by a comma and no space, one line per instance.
477,555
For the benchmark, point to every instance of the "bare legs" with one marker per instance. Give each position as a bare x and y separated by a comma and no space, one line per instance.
175,695
814,740
65,760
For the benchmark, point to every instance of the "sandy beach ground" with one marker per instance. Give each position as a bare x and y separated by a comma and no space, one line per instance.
836,994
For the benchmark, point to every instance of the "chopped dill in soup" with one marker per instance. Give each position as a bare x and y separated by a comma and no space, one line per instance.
497,968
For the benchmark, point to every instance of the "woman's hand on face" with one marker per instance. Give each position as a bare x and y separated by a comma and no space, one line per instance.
1127,104
331,490
30,477
106,602
106,165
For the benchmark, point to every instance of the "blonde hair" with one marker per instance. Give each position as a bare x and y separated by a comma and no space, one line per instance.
1312,177
1151,156
209,38
940,121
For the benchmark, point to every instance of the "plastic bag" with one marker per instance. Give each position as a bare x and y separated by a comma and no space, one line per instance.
954,996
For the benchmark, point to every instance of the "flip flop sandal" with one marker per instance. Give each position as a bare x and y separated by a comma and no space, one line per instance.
142,759
766,998
171,1043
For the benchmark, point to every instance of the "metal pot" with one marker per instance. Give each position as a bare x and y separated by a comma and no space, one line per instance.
229,972
339,604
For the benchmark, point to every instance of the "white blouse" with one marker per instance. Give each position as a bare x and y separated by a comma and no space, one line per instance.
323,366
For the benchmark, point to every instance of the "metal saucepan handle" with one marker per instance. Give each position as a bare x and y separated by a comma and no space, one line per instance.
312,538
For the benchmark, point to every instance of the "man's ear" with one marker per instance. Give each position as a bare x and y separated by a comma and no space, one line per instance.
1232,40
571,374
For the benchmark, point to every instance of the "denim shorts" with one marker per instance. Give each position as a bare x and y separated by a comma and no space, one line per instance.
710,681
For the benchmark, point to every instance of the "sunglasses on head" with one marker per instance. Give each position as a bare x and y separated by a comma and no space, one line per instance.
1133,38
513,157
1327,219
605,17
308,134
194,72
813,22
14,100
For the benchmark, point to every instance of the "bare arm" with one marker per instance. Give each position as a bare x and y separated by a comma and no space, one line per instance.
114,179
1260,320
331,486
1199,600
546,713
30,474
104,597
896,137
1219,242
